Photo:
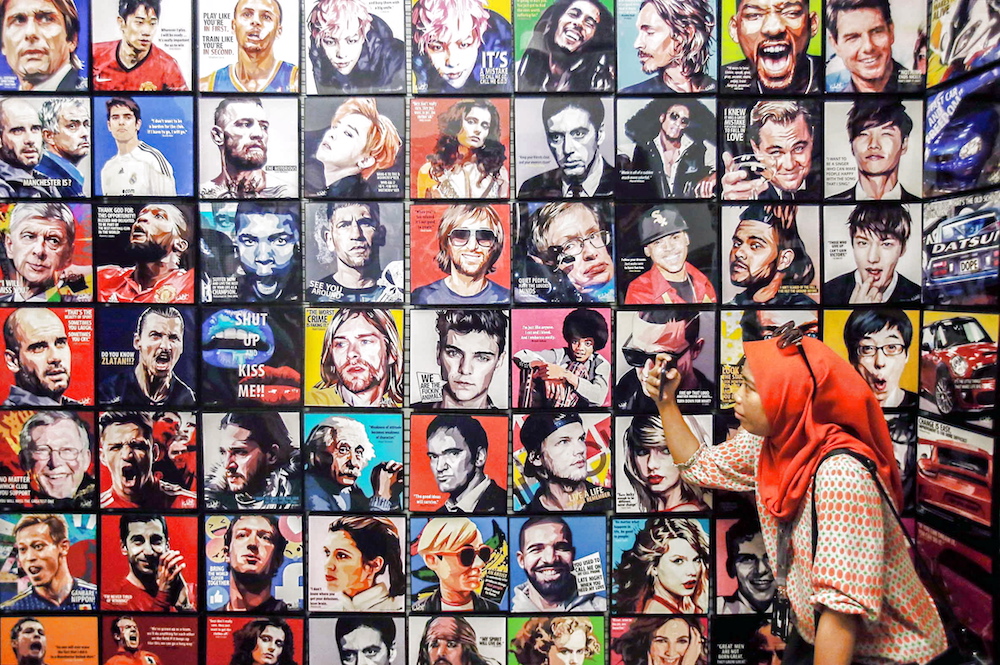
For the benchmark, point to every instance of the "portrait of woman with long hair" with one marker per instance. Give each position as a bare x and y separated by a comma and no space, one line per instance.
652,473
665,571
469,160
663,640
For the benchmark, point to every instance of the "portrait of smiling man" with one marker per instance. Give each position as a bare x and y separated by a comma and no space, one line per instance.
879,132
574,133
571,49
470,348
747,562
241,129
774,36
470,242
256,25
545,553
55,456
39,40
862,33
155,581
41,544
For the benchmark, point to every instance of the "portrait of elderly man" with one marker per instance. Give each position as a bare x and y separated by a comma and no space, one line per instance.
41,544
774,36
674,44
767,255
157,250
574,132
457,450
67,138
452,548
569,246
55,456
450,641
545,553
879,132
254,551
134,62
241,128
366,640
138,169
361,362
878,346
128,451
359,142
155,580
555,640
555,446
863,34
470,348
258,467
37,351
159,344
339,451
125,633
349,236
781,135
39,242
470,242
879,234
572,49
29,642
352,50
460,46
670,331
747,562
674,154
266,238
573,376
663,233
256,25
21,141
39,39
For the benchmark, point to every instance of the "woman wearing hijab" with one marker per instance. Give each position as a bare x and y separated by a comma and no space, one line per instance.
858,597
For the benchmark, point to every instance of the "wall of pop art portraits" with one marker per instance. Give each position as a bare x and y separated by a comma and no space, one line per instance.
326,324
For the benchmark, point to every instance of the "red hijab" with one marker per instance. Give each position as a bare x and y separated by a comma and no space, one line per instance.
807,422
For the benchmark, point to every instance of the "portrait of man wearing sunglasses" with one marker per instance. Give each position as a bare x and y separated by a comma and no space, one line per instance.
470,241
676,332
452,547
569,243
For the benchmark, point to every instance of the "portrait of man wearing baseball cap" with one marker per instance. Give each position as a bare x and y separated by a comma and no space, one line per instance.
671,279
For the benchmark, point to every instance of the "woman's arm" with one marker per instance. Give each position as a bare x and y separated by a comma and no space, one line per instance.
679,438
835,638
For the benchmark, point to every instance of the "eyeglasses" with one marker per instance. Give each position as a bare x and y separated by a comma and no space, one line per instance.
467,555
66,454
484,237
637,358
574,247
869,350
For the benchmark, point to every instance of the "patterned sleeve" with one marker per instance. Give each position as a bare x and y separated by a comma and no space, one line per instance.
731,465
849,567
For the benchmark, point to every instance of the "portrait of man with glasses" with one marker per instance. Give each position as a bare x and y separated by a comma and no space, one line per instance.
675,332
470,241
568,255
55,456
878,346
453,549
